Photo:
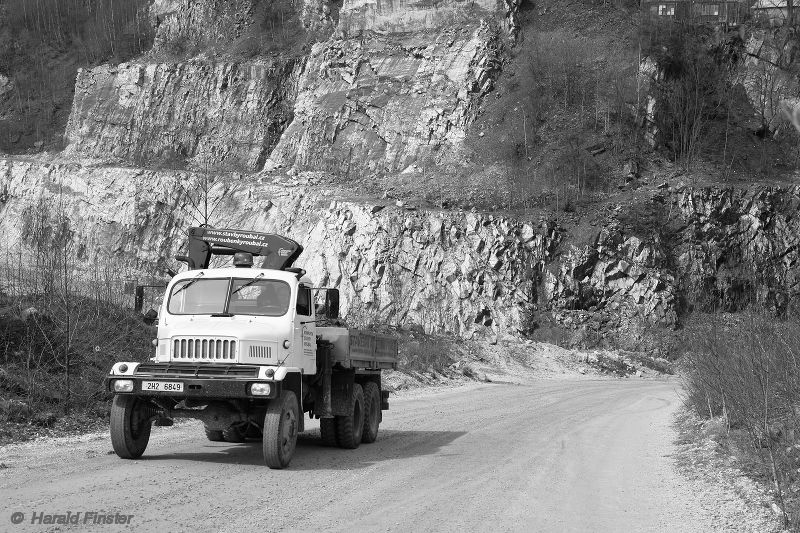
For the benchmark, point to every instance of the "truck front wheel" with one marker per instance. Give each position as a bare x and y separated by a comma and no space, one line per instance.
130,426
280,430
372,411
349,429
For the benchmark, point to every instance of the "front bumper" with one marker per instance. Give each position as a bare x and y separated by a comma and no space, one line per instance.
215,381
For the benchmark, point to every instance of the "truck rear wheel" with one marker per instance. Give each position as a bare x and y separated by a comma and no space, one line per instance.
280,430
372,411
349,429
327,428
214,435
130,426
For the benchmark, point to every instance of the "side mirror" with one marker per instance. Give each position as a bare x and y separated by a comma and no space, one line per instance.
150,317
332,303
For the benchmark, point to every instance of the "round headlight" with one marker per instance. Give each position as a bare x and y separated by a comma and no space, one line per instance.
286,344
260,389
123,368
269,372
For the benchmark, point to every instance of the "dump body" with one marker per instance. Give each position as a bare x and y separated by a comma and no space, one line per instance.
355,348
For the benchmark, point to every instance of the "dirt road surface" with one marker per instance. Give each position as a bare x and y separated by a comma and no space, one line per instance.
547,456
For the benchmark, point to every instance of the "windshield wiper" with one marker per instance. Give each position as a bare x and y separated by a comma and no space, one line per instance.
224,315
189,284
248,283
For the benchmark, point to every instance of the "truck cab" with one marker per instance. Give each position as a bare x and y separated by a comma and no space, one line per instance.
245,350
239,316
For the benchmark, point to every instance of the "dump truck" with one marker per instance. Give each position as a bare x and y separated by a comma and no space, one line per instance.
249,351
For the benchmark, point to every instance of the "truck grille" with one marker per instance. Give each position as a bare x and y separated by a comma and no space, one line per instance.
203,349
183,370
261,352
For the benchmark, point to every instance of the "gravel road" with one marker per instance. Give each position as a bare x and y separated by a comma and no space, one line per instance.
546,456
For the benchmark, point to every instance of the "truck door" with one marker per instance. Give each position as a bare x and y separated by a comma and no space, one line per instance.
305,330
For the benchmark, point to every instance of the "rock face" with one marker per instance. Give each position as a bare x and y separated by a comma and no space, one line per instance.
378,104
619,285
183,25
462,273
399,82
396,83
399,17
197,113
739,247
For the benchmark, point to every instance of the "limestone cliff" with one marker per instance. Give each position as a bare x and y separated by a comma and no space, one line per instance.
198,113
380,105
379,87
463,273
188,24
394,84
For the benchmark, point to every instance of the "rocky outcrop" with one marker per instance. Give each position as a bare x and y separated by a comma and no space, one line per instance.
216,115
191,26
379,105
737,247
185,25
467,274
377,97
463,273
403,16
612,289
398,85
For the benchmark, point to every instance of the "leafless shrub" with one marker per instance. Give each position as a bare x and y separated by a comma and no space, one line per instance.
99,29
425,353
692,89
745,369
62,322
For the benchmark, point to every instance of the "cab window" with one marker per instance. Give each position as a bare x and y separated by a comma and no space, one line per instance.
259,298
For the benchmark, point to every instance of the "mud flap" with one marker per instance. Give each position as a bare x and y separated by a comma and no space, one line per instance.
384,400
342,392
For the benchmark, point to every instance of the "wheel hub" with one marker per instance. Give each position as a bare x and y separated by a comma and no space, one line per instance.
289,431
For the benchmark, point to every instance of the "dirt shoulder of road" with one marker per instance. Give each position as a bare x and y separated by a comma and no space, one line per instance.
519,361
739,502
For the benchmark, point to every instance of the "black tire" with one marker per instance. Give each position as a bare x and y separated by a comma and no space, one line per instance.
372,411
233,434
280,430
214,435
349,429
327,429
130,426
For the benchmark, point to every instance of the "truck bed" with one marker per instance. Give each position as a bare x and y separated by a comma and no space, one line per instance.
355,348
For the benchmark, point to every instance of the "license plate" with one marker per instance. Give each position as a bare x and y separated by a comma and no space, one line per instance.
162,386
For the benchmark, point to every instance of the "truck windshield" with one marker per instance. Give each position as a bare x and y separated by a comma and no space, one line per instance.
224,295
